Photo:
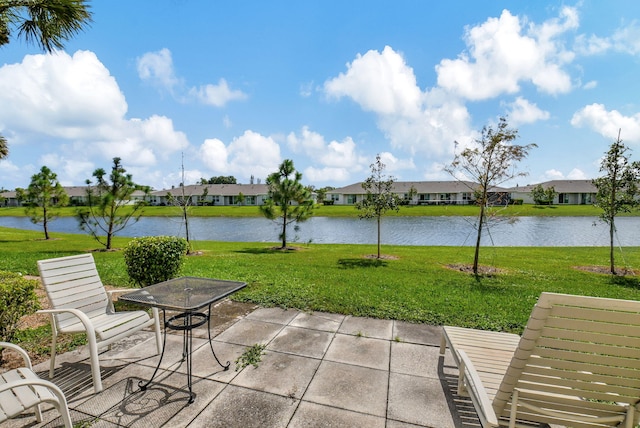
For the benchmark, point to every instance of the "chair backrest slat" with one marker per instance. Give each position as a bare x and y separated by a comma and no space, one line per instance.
73,282
576,351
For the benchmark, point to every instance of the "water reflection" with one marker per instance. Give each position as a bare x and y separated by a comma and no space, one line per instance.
450,231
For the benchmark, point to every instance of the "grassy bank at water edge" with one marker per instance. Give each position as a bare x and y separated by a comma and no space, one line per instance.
418,284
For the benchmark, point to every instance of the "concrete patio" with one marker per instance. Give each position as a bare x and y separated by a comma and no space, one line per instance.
318,370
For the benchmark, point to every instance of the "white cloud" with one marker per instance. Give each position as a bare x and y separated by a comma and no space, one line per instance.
326,174
336,160
393,164
608,123
249,154
381,82
396,91
59,95
590,85
217,95
554,174
625,39
157,69
501,54
306,89
576,174
522,111
72,112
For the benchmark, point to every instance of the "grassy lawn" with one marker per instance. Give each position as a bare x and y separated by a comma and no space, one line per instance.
416,286
350,211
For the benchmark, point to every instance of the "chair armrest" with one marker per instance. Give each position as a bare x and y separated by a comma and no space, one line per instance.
84,319
117,291
31,382
477,391
19,350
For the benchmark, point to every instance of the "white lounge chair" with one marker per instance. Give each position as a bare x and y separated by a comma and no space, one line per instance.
577,364
80,303
22,389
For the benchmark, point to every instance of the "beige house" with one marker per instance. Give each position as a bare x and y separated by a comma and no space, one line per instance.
213,194
568,192
414,193
77,196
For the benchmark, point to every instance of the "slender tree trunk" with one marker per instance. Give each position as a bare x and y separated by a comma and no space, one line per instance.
45,223
379,237
186,224
476,256
284,230
612,230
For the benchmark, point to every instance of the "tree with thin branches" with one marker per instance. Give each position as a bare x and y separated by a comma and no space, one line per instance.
379,197
490,162
43,197
617,189
109,203
288,200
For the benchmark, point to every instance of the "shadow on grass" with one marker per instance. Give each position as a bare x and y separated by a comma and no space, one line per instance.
361,263
266,250
626,281
544,207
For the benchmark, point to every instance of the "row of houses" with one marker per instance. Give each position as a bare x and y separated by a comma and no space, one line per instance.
571,192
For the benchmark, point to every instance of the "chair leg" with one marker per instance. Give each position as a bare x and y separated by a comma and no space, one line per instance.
95,361
54,340
38,413
156,327
61,405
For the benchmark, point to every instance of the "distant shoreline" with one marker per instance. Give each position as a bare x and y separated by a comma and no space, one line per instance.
526,210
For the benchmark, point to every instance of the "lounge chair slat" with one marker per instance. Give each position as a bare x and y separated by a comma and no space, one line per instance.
577,358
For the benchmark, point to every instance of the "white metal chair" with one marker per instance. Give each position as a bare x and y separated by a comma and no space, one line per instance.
22,389
80,303
577,364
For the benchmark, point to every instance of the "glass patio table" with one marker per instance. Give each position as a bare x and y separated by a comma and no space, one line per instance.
189,296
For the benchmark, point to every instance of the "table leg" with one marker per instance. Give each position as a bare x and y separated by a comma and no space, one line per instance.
143,385
224,366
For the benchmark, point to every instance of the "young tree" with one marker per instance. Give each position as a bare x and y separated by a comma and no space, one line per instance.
617,189
46,23
184,201
288,201
240,199
106,202
42,198
542,196
489,163
379,196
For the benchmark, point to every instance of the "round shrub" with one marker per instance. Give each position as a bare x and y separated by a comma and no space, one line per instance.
153,259
17,298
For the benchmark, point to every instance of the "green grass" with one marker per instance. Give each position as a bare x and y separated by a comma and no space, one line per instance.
350,211
417,286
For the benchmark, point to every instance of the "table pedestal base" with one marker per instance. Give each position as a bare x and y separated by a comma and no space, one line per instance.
185,322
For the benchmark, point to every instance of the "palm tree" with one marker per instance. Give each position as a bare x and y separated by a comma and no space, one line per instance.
46,23
4,147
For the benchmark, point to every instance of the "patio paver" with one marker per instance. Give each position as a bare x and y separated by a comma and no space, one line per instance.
318,370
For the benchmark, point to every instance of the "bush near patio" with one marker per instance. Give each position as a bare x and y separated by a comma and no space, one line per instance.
17,298
154,259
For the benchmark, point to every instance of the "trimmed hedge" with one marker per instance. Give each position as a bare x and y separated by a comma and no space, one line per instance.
153,259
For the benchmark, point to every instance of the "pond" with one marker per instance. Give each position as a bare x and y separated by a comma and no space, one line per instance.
449,231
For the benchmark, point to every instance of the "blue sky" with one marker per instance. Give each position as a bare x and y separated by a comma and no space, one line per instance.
233,88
